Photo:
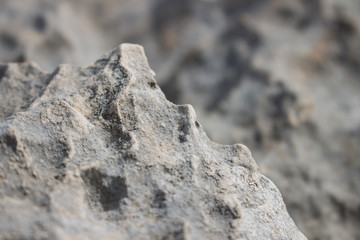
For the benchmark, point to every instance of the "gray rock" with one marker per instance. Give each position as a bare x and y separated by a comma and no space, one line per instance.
99,153
280,76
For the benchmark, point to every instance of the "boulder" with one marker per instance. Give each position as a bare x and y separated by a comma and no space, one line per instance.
97,152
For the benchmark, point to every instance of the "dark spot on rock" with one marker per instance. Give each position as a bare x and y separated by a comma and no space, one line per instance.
8,41
183,124
224,210
61,165
159,199
111,116
303,23
234,8
21,58
117,135
182,136
40,23
286,14
259,75
119,72
312,14
315,210
279,103
128,157
197,124
240,31
339,206
305,175
59,152
104,189
343,27
3,69
193,58
278,99
11,141
125,140
343,33
94,90
152,85
60,177
176,231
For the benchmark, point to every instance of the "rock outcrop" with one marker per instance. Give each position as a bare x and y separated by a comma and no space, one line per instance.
280,76
99,153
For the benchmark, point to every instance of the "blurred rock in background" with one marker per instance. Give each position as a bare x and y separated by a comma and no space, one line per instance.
282,77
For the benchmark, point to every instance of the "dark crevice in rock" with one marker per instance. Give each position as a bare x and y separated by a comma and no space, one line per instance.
104,189
184,124
152,85
159,199
11,140
224,210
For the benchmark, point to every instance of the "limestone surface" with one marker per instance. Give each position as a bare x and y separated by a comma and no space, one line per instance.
98,152
280,76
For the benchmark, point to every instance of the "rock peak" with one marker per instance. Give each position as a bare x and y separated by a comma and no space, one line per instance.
98,152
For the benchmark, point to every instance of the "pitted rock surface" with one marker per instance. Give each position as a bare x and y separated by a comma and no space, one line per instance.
98,152
280,76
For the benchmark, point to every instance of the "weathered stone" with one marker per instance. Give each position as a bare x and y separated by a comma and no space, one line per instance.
99,153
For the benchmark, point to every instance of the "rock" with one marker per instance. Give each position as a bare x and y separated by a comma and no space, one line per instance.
281,77
98,152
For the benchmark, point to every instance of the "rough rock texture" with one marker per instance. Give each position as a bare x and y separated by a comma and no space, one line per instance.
99,153
280,76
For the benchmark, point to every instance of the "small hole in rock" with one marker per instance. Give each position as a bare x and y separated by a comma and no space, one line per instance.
152,84
197,124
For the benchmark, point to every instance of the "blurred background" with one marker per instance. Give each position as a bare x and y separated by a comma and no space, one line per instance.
282,77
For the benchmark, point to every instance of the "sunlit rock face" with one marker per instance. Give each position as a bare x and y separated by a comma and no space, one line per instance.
98,152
